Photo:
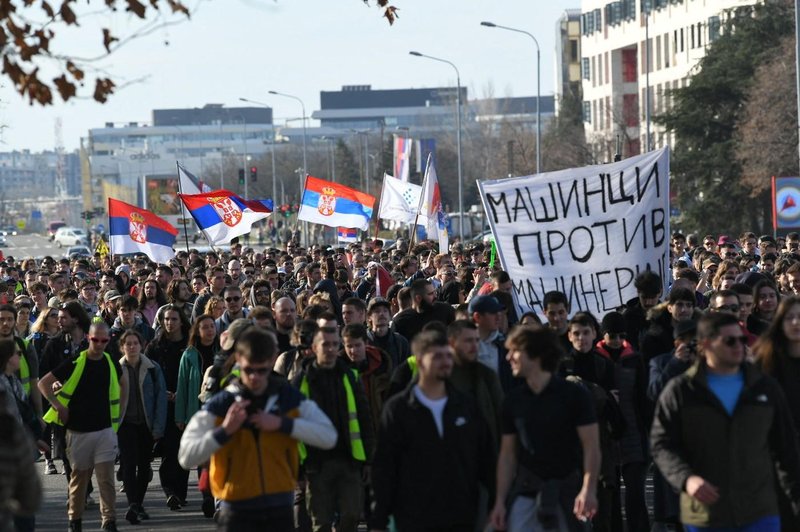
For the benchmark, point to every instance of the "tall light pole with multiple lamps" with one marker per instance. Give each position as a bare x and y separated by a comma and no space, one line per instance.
538,89
458,138
305,159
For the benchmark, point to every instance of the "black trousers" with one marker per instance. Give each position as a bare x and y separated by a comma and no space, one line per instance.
135,449
174,478
280,519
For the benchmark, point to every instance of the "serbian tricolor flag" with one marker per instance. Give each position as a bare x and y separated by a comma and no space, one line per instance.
347,234
335,205
222,215
402,157
135,230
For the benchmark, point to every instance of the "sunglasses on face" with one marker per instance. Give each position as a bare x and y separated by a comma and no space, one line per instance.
731,341
97,340
729,308
255,371
232,299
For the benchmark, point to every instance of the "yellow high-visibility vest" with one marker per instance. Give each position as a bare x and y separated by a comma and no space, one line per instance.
354,428
65,394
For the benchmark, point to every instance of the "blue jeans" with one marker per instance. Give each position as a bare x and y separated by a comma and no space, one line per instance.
771,523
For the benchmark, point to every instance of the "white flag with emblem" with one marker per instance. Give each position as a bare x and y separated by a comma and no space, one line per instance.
399,200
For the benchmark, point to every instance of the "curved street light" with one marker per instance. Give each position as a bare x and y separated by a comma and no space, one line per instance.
538,89
458,136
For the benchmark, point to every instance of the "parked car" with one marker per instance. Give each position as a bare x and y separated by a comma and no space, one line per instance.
2,241
71,236
81,251
8,230
53,227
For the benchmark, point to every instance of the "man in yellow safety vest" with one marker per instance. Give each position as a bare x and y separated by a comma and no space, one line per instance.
335,477
89,403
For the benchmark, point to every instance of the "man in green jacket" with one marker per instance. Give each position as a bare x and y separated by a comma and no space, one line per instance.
722,431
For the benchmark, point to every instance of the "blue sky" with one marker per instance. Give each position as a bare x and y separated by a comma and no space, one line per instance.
243,48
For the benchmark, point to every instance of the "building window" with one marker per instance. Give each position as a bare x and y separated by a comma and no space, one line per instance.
699,34
692,32
682,40
573,50
713,29
630,110
587,112
587,71
594,71
658,52
598,20
600,69
629,9
629,74
666,50
600,114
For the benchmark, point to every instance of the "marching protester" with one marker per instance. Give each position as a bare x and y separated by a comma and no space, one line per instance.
250,431
89,403
144,421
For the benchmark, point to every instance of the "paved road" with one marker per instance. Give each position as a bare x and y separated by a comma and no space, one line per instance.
21,246
53,515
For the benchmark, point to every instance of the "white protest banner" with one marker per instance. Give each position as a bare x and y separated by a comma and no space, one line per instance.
586,232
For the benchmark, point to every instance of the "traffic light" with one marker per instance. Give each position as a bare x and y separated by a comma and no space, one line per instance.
253,174
241,176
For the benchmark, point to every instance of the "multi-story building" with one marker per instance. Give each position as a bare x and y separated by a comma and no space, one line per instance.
419,111
30,176
123,160
620,77
568,55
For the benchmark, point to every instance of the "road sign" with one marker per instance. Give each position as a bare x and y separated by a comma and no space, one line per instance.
102,248
20,224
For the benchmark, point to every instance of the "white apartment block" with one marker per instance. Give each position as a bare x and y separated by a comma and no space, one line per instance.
614,64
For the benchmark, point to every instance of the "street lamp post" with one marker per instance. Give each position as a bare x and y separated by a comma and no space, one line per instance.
538,90
305,160
272,152
458,137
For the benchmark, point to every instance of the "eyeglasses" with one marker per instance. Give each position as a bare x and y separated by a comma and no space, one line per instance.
731,341
249,272
255,371
97,340
232,299
730,308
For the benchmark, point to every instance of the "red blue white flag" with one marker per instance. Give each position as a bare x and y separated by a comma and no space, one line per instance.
430,206
347,234
335,205
402,157
222,215
135,230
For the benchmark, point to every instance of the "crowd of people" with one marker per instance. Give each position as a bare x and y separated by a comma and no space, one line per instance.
308,396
